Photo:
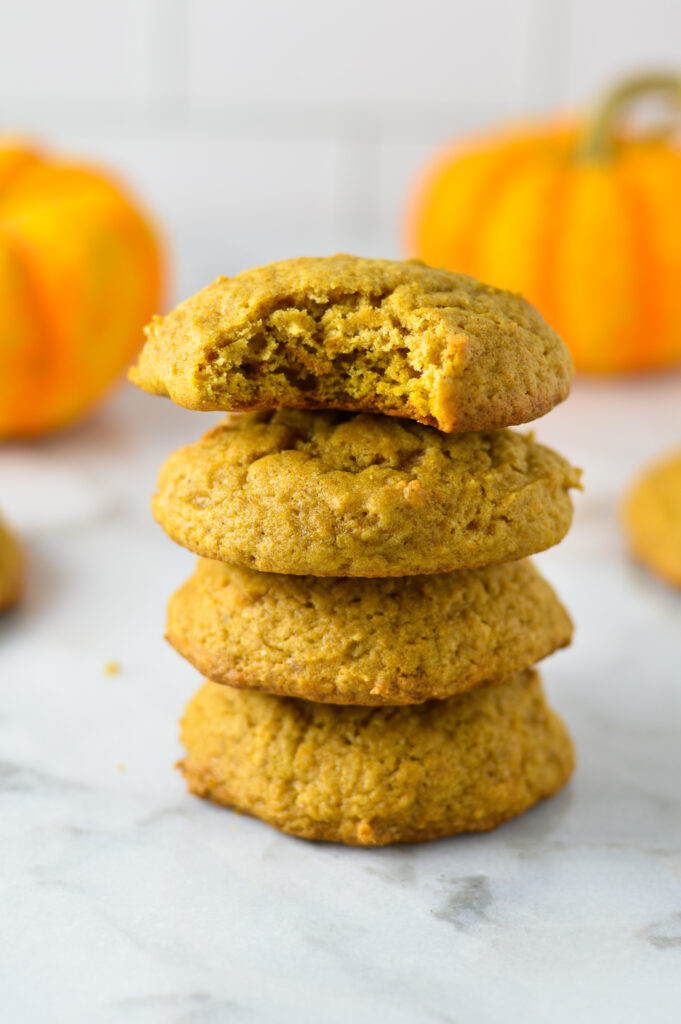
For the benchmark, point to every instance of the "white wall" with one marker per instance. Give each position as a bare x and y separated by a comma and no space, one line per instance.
262,129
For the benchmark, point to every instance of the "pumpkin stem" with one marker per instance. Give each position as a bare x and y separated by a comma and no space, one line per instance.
597,142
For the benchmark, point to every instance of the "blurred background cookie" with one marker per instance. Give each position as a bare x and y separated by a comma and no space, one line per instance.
652,518
10,567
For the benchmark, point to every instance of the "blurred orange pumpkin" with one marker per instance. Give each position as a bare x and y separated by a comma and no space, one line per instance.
583,218
80,275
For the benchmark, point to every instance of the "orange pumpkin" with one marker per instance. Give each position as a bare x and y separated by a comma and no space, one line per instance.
583,218
80,275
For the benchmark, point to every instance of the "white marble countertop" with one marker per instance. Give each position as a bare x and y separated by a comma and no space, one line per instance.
124,899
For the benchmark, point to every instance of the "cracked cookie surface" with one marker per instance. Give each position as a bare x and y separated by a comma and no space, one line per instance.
365,641
372,776
343,332
337,494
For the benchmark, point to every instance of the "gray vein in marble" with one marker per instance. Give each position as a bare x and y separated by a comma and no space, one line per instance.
332,936
664,934
181,1008
439,1017
537,850
467,901
395,871
162,815
16,778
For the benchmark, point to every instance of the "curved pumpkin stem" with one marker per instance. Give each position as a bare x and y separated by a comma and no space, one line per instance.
598,138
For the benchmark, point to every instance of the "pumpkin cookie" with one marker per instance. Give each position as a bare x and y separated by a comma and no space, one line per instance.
371,776
342,332
652,518
336,494
10,568
365,641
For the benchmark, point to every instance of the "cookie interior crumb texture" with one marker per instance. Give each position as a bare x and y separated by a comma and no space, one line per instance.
365,641
371,776
337,494
342,332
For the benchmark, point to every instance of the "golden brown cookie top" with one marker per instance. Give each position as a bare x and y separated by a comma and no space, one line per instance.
652,518
337,494
369,776
344,332
365,641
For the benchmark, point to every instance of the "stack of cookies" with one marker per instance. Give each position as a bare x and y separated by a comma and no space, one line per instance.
363,607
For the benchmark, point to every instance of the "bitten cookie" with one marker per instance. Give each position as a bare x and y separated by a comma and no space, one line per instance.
342,332
652,518
336,494
365,641
10,568
371,776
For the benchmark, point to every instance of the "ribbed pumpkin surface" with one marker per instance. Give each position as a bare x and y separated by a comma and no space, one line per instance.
593,241
79,277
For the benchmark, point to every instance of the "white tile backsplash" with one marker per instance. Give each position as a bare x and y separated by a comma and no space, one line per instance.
400,166
610,39
221,200
74,50
258,130
362,53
